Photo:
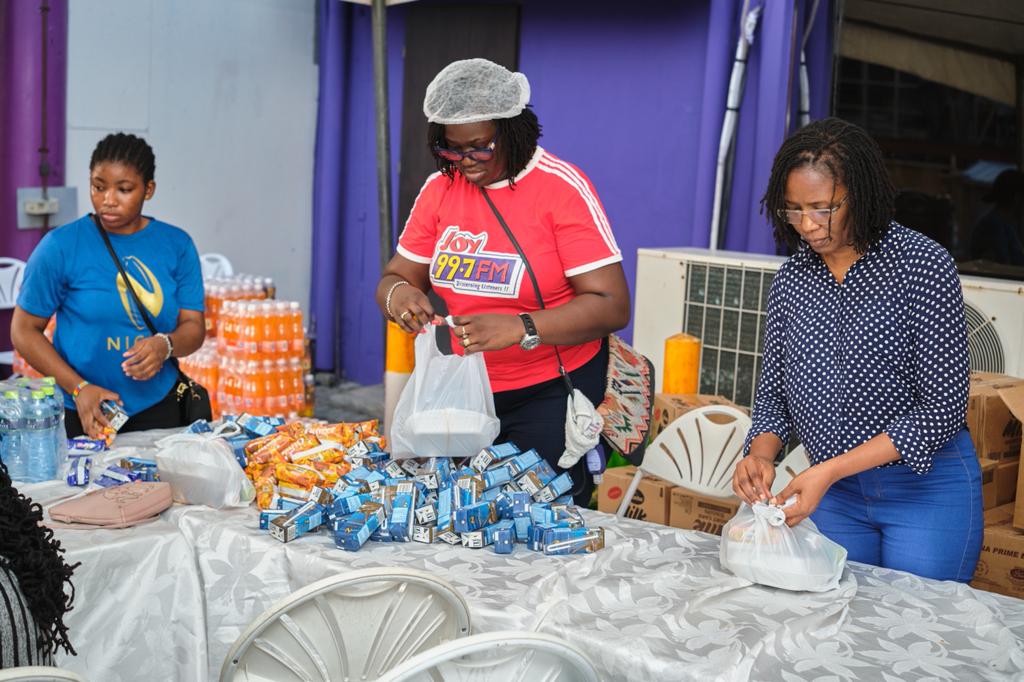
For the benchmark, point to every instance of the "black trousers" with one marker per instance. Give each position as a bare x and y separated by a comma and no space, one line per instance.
166,414
534,417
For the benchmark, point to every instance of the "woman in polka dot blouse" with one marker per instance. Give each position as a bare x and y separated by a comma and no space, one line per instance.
865,358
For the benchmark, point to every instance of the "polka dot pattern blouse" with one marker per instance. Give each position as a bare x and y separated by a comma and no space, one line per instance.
885,351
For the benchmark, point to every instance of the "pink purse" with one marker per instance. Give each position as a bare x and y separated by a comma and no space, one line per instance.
118,507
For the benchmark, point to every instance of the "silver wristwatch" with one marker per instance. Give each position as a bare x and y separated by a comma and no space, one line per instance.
530,339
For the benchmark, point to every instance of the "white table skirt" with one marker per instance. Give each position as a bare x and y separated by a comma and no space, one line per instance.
654,605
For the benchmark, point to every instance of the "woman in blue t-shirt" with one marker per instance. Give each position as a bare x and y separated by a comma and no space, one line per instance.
102,348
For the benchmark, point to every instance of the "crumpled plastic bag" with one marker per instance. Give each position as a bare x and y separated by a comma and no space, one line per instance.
202,470
447,408
758,545
582,429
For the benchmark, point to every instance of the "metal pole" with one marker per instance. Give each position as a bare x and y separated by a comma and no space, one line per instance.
380,73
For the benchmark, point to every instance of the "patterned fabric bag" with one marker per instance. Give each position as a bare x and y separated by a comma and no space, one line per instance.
628,400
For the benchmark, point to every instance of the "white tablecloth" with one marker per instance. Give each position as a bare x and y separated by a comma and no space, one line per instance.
654,605
138,609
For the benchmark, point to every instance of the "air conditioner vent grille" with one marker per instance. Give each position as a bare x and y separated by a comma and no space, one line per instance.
725,309
983,342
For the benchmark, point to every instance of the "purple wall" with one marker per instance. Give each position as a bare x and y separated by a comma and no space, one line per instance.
619,96
633,94
360,346
20,107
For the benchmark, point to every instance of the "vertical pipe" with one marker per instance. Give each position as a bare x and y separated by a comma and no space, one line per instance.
380,73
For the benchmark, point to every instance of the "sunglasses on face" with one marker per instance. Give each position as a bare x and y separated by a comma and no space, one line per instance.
818,216
485,153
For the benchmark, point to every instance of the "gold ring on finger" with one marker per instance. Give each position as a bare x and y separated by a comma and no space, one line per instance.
406,315
465,342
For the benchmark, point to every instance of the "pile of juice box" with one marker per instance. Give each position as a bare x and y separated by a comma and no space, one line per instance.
339,479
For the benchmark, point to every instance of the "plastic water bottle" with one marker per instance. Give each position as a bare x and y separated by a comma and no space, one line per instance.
14,452
38,438
55,400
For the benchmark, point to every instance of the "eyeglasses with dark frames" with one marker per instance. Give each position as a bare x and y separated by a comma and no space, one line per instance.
485,153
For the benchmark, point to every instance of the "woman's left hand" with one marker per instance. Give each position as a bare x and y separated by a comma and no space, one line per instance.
145,358
809,486
476,333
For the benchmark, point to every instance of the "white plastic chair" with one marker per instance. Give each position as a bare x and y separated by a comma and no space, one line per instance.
695,452
215,265
498,657
11,272
353,626
39,673
791,465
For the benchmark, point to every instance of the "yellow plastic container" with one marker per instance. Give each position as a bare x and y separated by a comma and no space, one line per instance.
682,364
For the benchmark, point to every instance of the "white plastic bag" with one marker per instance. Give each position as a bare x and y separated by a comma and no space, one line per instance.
202,470
447,408
759,546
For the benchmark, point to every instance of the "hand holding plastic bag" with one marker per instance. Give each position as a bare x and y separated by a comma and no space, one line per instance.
758,545
447,408
202,470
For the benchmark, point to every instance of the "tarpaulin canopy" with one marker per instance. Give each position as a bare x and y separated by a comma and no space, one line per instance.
971,46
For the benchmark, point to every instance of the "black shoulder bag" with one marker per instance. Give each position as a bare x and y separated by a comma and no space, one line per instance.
629,387
193,398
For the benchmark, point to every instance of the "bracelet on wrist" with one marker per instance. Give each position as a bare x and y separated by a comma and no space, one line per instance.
170,345
78,389
387,299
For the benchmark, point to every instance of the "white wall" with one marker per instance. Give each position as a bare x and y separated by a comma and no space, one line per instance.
226,93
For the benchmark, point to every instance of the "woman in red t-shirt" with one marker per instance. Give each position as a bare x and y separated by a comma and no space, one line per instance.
484,139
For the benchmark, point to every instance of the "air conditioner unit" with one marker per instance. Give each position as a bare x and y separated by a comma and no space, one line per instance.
721,298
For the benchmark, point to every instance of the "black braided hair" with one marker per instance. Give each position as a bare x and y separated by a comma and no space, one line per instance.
517,139
30,551
851,157
127,149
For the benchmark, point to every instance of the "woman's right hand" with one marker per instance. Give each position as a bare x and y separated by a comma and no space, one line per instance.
752,480
88,405
411,308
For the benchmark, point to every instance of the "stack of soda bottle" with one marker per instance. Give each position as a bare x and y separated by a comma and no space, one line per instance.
255,359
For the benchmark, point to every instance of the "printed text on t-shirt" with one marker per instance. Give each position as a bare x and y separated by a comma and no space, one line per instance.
461,263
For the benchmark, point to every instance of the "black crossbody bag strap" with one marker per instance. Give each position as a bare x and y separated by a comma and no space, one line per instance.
128,282
533,280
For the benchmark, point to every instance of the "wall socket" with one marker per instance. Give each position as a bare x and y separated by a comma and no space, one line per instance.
59,207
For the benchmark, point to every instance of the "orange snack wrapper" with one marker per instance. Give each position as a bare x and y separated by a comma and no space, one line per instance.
307,442
265,493
268,455
367,429
330,472
337,433
300,476
330,455
275,440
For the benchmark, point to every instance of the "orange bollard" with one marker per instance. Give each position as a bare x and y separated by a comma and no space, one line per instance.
682,364
399,360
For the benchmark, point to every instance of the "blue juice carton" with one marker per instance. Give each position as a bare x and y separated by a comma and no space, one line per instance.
473,517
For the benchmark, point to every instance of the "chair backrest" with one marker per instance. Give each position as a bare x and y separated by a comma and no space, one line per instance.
353,626
498,657
39,673
11,272
215,265
700,449
791,465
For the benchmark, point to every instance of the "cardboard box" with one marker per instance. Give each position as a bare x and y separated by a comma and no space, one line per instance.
1007,473
649,503
1013,398
694,511
1001,564
995,430
988,483
670,406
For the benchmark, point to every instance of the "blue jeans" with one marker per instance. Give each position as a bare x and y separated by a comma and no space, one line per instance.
929,525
